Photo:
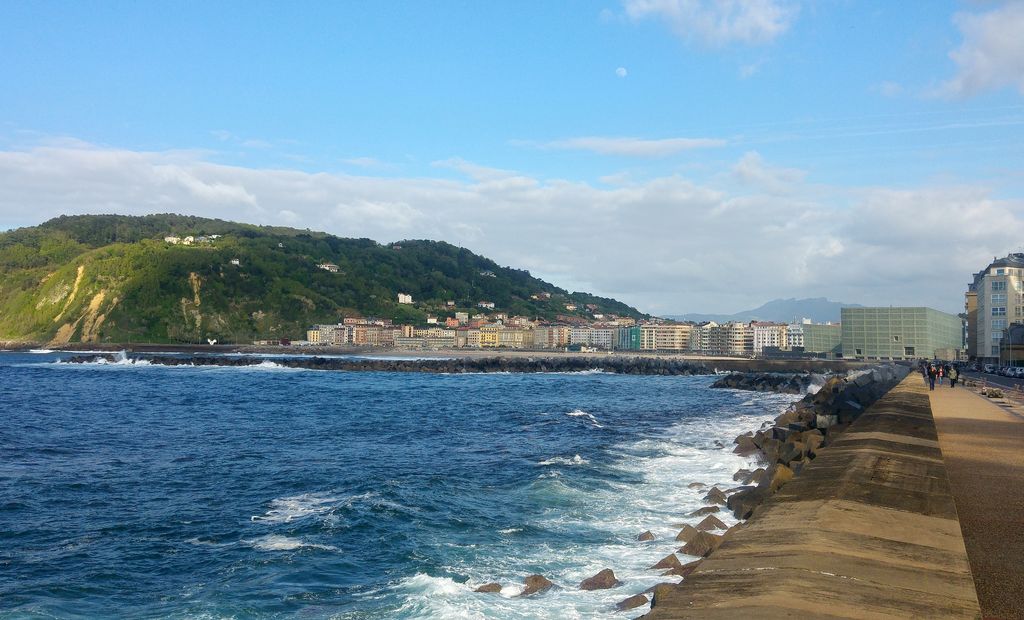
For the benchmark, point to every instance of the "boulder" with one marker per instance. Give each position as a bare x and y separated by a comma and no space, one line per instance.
711,522
534,584
637,600
702,544
743,503
740,475
687,533
707,510
670,561
781,474
825,421
791,451
696,485
601,581
684,570
715,496
770,450
756,476
745,446
645,536
489,587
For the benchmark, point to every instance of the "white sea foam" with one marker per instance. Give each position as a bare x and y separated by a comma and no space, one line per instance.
41,351
656,497
288,509
579,413
276,542
561,460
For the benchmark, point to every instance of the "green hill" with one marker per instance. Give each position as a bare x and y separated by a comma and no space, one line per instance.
111,278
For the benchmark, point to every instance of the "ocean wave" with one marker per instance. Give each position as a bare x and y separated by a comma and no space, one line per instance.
41,351
276,542
579,413
561,460
288,509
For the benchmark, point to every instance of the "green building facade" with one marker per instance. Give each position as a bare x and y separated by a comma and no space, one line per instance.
822,339
628,339
898,333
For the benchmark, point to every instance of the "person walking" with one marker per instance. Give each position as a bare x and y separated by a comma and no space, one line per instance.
954,374
940,372
932,373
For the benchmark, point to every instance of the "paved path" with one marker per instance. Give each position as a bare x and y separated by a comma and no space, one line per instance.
983,447
868,530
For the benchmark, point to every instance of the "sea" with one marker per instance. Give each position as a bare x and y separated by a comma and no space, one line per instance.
130,490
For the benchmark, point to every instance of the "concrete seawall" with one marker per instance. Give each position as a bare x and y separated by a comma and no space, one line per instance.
868,530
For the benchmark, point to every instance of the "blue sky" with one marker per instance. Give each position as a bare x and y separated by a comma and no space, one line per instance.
682,155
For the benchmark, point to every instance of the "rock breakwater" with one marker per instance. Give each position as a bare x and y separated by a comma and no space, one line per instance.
612,364
785,383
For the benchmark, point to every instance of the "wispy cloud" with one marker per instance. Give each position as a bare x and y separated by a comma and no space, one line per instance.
716,23
992,53
628,147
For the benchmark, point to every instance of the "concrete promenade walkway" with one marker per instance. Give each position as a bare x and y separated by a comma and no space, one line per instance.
983,446
868,530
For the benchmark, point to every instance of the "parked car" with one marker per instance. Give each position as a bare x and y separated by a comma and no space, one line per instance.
988,368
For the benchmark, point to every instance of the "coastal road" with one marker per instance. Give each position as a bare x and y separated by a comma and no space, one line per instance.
983,448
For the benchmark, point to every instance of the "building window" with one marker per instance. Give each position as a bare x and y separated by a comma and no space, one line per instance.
997,335
859,352
999,311
999,324
998,285
1000,272
999,298
908,351
895,338
995,350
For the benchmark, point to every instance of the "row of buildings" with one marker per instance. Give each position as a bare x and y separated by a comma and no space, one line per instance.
500,331
863,333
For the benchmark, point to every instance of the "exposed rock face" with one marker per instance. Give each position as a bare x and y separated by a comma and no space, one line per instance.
637,600
601,581
645,536
702,544
670,561
535,584
711,522
684,570
489,587
706,510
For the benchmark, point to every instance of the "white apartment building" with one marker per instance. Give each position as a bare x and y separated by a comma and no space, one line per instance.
768,335
999,297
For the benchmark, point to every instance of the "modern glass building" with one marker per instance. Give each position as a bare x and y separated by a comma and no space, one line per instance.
899,333
822,338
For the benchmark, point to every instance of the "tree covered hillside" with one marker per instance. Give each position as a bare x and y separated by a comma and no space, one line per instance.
109,278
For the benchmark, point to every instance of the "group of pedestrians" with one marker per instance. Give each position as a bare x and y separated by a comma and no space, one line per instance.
932,371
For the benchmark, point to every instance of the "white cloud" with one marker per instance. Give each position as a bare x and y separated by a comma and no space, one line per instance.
752,170
621,72
666,244
717,23
992,53
631,147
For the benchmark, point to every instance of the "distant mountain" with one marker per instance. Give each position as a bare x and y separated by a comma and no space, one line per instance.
111,278
818,309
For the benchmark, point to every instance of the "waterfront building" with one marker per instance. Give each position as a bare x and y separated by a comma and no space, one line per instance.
511,338
551,336
898,333
767,335
489,336
823,338
628,338
994,300
665,336
603,338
